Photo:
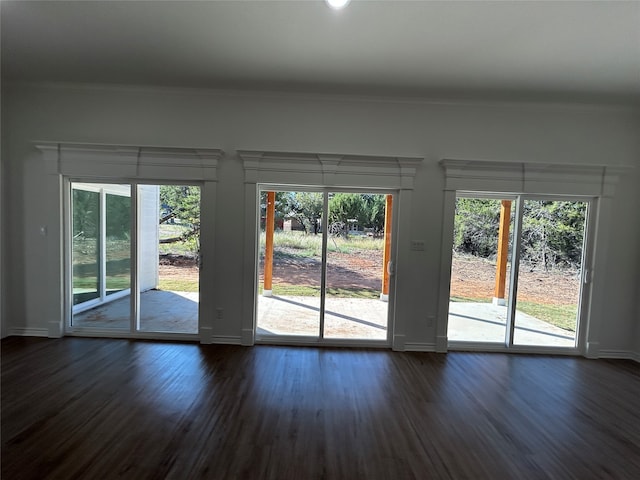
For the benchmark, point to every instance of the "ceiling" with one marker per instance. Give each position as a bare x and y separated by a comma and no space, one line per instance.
524,51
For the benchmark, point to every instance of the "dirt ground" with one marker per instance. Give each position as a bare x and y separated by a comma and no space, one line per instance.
470,277
344,270
474,277
178,267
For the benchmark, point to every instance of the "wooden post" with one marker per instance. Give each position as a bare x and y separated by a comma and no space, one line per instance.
388,208
503,250
270,222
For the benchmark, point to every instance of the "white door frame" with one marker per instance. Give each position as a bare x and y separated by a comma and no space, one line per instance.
132,165
330,171
320,339
593,182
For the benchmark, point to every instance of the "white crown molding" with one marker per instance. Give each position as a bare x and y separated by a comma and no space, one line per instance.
283,94
131,162
329,169
526,177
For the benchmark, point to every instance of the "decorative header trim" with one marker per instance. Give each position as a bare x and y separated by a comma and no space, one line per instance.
329,169
519,177
130,162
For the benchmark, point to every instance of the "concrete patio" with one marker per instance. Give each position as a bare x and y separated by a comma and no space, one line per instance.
486,323
160,311
345,318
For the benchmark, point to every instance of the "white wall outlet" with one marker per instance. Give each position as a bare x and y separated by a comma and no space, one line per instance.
219,313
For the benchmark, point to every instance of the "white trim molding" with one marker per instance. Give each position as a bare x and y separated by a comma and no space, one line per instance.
28,332
420,347
619,355
323,170
225,340
329,170
594,182
130,162
538,178
125,163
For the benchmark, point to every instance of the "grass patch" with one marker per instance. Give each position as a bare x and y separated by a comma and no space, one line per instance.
113,283
177,285
310,245
185,248
470,299
309,291
563,316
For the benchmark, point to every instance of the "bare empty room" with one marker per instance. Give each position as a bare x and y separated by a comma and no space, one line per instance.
314,240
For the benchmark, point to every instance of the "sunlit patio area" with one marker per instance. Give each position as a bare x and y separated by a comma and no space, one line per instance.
353,318
486,323
160,311
345,318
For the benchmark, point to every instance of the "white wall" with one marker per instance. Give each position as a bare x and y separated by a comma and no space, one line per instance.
149,201
231,121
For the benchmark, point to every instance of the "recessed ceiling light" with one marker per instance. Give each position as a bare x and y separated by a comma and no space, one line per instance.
337,4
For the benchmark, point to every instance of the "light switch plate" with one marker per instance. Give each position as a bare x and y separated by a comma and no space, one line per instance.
417,245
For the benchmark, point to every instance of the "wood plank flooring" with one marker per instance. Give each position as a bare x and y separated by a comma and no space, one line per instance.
78,408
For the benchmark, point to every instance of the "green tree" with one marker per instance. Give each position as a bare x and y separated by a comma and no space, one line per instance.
306,207
86,213
181,204
553,233
281,207
476,226
346,207
374,211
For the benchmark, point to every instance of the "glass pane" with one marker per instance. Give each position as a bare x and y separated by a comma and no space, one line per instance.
85,245
480,270
169,250
550,273
290,303
355,304
118,243
101,248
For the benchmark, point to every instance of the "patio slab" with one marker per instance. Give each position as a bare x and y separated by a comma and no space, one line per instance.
352,318
160,311
486,323
345,318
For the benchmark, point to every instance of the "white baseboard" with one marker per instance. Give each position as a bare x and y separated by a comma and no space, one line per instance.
56,329
205,335
398,343
419,347
248,337
592,350
620,355
225,339
28,332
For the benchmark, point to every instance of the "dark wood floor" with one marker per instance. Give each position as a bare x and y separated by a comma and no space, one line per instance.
93,408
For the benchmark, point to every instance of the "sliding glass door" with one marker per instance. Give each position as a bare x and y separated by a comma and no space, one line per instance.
517,271
101,255
133,258
551,253
321,274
